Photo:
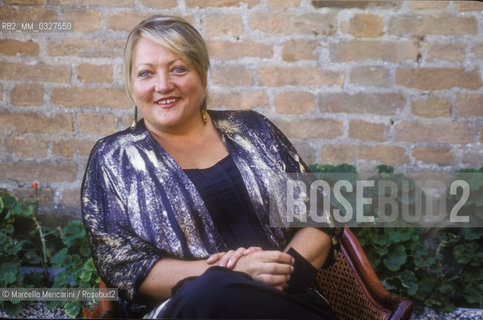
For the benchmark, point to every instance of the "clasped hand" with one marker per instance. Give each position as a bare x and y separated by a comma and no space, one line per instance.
271,267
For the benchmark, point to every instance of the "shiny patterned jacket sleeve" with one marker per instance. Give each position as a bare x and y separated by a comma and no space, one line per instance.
294,164
123,259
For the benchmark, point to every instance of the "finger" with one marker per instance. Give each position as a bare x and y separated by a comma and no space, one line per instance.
273,280
275,268
276,256
224,260
251,250
214,257
235,257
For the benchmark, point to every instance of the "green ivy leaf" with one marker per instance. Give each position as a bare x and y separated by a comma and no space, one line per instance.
31,257
8,199
472,233
85,276
12,309
8,277
60,280
85,251
425,287
409,281
464,253
58,259
72,231
400,235
72,308
395,258
447,289
472,292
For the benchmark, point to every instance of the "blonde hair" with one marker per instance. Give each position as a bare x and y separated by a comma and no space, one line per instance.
175,34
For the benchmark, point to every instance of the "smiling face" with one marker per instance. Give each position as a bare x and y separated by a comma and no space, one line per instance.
167,90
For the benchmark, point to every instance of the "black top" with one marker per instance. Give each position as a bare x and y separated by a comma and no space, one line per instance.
222,189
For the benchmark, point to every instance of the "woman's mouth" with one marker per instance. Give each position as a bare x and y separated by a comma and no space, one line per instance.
167,101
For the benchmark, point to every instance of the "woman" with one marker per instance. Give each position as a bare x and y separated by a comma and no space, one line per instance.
176,207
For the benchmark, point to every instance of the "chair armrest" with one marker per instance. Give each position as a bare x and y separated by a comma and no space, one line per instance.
401,307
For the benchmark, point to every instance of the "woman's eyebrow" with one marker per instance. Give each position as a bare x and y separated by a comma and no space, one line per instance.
151,65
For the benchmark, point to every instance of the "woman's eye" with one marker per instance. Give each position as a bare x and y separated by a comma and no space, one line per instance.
179,69
143,74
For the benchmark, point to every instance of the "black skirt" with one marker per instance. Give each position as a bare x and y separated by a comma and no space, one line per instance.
225,294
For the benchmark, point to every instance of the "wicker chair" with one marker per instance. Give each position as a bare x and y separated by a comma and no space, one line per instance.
350,285
354,290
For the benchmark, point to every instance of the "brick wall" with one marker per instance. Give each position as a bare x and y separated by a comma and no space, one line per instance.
361,82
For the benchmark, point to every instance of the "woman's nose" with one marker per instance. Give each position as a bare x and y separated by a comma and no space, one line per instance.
163,82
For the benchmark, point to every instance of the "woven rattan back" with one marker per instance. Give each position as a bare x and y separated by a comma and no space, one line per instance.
344,289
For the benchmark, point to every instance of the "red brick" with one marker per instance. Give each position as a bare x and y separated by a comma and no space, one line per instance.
366,25
220,3
468,105
299,76
222,25
438,78
71,198
312,128
473,158
124,21
27,171
478,51
90,97
24,2
67,148
227,50
469,5
156,4
27,14
27,147
439,155
231,76
481,135
367,131
345,4
36,123
11,47
371,76
300,49
455,132
101,3
432,107
438,24
94,73
293,23
455,52
37,72
294,102
84,20
359,50
236,100
338,154
27,95
94,48
283,4
97,124
376,103
305,151
428,5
